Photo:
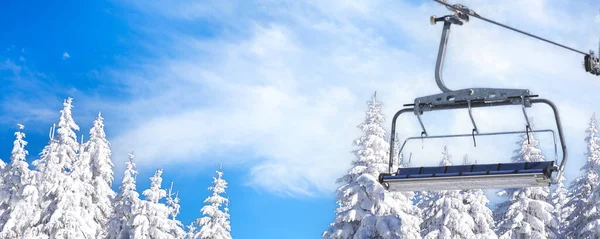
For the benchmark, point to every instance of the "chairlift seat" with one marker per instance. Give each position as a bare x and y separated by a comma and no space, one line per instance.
460,177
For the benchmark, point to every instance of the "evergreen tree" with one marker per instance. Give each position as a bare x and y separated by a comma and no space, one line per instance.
477,203
585,215
215,223
99,151
61,202
366,209
176,227
152,221
559,200
125,204
448,216
82,180
527,213
21,194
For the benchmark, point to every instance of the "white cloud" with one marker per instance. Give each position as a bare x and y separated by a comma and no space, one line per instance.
291,89
65,55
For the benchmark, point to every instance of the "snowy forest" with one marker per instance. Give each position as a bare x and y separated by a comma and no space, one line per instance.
367,210
67,193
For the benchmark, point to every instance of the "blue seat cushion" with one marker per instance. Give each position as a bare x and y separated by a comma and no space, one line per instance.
485,167
512,166
539,165
432,170
531,171
459,169
474,173
446,174
421,175
409,171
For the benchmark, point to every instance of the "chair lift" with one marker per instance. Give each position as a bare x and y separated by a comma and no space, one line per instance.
477,176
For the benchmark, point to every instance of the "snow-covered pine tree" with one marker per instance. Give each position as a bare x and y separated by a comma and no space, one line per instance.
366,209
585,193
125,204
528,212
22,195
215,223
448,216
61,214
477,204
176,227
152,220
559,200
82,180
102,171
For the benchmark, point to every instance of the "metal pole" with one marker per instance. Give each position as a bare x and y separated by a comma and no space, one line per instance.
439,65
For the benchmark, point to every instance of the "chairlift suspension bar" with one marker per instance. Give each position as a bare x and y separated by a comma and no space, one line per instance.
473,14
485,134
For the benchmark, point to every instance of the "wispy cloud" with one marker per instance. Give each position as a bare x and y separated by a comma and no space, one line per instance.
66,55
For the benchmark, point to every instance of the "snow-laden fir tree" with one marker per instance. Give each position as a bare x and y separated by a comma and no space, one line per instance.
215,221
447,216
528,212
585,213
152,219
125,204
102,171
579,205
365,208
175,226
559,200
22,195
62,211
81,176
477,204
409,213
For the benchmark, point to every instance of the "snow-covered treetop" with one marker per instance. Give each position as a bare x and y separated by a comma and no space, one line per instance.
129,175
173,203
446,157
155,193
215,223
219,188
18,152
593,141
373,151
67,126
101,164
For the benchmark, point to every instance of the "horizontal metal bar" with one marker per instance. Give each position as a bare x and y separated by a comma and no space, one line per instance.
480,134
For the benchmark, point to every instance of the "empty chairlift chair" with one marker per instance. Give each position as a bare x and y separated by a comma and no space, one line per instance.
476,176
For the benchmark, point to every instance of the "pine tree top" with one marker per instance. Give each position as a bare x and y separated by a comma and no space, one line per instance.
19,153
446,157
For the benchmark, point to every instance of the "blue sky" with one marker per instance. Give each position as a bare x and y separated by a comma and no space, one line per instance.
274,89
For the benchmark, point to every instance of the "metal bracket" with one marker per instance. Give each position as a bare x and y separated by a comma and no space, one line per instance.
478,97
591,63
